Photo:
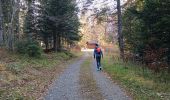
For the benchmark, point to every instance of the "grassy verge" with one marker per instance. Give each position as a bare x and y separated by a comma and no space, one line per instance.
24,78
88,86
141,83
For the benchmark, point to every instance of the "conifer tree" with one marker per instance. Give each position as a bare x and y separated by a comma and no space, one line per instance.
61,22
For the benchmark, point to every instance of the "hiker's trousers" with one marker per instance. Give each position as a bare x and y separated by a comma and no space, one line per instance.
98,61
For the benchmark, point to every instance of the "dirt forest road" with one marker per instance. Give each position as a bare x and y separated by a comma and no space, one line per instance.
70,84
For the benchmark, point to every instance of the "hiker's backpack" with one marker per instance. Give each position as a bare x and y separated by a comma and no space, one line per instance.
98,50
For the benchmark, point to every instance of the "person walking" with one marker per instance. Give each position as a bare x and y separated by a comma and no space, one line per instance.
97,55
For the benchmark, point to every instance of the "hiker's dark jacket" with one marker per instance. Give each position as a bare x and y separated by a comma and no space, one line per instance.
96,54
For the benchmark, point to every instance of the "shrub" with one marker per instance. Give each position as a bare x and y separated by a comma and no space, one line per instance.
33,50
30,48
21,46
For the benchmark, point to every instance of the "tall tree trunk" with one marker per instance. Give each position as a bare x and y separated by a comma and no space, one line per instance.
168,60
13,24
58,43
54,42
1,23
46,42
11,27
11,38
18,20
29,3
120,35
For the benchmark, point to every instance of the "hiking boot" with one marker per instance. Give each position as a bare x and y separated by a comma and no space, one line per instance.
100,68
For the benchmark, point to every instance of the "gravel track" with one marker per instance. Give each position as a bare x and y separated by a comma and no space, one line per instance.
67,86
110,90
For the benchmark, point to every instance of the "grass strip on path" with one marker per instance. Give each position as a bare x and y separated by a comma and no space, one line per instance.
141,85
88,86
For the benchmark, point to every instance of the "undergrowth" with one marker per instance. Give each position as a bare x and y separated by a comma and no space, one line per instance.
25,78
142,83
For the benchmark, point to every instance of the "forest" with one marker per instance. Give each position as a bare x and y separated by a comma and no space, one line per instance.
147,34
26,24
39,39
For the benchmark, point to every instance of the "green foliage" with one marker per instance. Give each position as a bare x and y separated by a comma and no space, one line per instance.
33,50
58,21
45,61
7,9
29,48
55,22
30,21
15,95
21,47
14,68
146,30
143,85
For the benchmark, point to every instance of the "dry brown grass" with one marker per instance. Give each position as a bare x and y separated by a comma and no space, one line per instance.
25,78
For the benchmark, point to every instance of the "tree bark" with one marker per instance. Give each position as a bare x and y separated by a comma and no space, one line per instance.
1,23
46,43
54,42
18,20
120,35
58,43
11,26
